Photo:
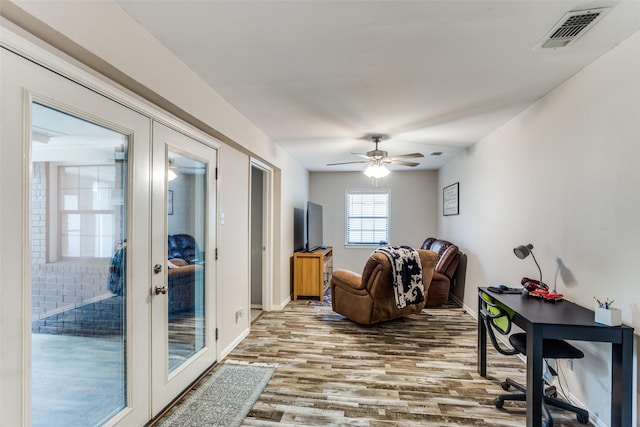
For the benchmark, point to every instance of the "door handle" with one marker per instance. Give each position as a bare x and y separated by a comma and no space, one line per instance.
161,289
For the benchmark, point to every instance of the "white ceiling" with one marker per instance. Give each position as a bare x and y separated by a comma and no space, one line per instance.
319,76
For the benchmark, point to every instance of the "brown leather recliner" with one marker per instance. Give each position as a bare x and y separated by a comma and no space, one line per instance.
448,260
369,298
181,281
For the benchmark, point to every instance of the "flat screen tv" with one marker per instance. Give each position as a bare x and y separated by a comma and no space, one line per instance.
314,226
298,230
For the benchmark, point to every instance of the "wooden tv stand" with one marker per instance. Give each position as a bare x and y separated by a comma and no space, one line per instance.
311,272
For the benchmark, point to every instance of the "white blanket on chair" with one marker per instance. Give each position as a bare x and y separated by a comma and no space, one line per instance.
407,274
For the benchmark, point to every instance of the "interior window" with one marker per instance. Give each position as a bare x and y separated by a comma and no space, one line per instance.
86,211
367,217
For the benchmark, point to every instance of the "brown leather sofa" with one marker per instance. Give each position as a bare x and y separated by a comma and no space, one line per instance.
369,298
448,260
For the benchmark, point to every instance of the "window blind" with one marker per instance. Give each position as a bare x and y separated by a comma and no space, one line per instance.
367,217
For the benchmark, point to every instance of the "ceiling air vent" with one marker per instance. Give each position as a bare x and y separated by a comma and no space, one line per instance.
571,27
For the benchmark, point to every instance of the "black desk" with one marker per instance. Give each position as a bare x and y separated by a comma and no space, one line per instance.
564,320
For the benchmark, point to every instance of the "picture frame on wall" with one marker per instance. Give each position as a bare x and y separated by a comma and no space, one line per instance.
451,199
169,202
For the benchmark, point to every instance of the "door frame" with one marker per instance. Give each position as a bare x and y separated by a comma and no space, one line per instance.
267,233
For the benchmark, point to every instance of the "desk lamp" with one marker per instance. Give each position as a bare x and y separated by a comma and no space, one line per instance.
523,251
543,291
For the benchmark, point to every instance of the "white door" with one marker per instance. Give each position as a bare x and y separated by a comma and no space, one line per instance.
183,263
74,310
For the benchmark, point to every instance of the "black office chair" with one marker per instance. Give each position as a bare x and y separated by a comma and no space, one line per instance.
498,318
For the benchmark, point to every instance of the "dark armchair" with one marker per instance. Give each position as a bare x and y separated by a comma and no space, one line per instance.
184,246
448,260
185,268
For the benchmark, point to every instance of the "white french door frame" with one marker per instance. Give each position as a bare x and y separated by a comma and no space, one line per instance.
267,234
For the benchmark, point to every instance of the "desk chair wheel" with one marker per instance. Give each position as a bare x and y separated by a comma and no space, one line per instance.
499,403
582,419
551,392
505,385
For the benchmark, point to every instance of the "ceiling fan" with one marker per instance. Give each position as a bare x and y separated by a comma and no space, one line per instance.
378,158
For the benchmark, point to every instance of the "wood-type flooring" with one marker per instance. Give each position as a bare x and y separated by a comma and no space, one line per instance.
416,371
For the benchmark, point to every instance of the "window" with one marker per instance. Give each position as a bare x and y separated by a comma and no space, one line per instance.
87,214
367,217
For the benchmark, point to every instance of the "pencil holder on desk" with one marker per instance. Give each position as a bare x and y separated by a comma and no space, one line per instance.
609,316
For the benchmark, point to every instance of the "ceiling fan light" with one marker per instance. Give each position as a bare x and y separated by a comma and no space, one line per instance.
376,171
171,171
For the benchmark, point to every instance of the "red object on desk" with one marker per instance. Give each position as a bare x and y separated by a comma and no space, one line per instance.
552,296
543,293
539,293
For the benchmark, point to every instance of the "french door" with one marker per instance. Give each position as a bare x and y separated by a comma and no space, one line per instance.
75,171
183,291
101,322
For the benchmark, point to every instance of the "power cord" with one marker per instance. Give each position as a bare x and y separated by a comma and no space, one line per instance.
566,395
551,372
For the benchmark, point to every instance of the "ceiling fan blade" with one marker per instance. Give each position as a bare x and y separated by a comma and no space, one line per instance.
401,162
347,163
364,156
407,156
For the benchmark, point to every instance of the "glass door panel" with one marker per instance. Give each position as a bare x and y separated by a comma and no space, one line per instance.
78,197
183,244
186,214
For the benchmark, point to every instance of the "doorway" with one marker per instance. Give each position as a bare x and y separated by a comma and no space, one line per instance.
260,223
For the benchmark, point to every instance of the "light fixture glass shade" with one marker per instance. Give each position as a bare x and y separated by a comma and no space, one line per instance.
171,175
376,171
171,171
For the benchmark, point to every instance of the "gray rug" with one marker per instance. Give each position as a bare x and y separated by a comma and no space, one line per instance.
326,299
225,398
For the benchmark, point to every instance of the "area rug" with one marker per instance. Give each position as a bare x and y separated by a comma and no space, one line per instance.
225,398
326,299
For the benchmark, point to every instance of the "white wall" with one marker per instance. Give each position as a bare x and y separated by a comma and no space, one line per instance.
292,191
233,256
564,176
413,210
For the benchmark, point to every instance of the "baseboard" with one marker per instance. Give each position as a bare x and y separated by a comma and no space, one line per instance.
283,305
225,352
469,310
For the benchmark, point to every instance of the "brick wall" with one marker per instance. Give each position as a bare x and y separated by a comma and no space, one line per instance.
59,286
